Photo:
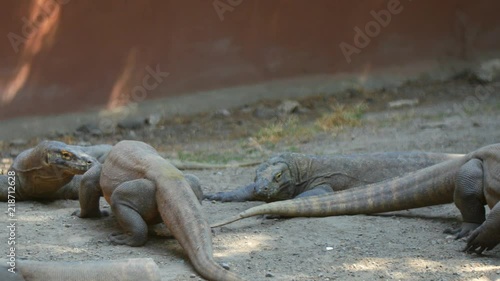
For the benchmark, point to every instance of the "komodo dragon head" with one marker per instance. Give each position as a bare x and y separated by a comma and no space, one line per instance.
66,157
273,181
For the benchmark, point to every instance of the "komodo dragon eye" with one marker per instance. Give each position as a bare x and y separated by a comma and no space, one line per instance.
66,155
277,177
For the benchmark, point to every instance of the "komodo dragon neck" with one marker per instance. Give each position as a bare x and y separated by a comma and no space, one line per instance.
30,160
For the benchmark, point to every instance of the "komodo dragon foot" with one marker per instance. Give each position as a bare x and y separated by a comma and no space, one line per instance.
486,236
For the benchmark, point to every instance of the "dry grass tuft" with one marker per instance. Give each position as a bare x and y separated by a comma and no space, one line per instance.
340,117
289,129
292,130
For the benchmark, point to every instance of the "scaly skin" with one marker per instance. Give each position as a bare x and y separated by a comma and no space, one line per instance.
294,175
143,188
471,181
123,270
50,171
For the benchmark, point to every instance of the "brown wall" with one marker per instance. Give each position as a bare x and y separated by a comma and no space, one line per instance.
88,53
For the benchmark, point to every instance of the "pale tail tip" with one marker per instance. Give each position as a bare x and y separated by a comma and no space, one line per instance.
226,221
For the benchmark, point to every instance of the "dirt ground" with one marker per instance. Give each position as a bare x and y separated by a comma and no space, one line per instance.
453,116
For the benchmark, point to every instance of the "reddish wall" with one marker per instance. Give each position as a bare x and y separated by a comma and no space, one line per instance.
97,50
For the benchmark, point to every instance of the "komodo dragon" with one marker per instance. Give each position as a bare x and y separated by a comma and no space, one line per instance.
143,188
120,270
295,175
471,181
50,170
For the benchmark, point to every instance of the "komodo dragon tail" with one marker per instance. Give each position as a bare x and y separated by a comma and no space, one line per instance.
187,223
123,270
433,185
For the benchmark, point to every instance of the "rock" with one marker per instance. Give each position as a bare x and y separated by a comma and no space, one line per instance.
86,128
222,113
131,123
89,129
132,135
288,107
403,103
264,112
246,109
329,248
488,70
14,153
56,134
269,274
153,119
225,266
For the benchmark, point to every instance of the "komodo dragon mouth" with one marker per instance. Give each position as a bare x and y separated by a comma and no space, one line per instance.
75,162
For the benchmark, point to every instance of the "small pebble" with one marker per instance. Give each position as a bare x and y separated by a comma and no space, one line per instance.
269,274
329,248
153,120
225,265
403,103
192,276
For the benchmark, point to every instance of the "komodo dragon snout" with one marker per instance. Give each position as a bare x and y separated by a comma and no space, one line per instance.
71,160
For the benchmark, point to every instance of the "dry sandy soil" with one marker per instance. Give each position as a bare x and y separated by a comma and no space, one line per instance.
452,116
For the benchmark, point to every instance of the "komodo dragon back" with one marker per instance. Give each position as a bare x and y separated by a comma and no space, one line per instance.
430,186
177,204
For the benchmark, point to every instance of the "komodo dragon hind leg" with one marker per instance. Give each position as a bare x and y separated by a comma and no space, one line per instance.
132,205
469,197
